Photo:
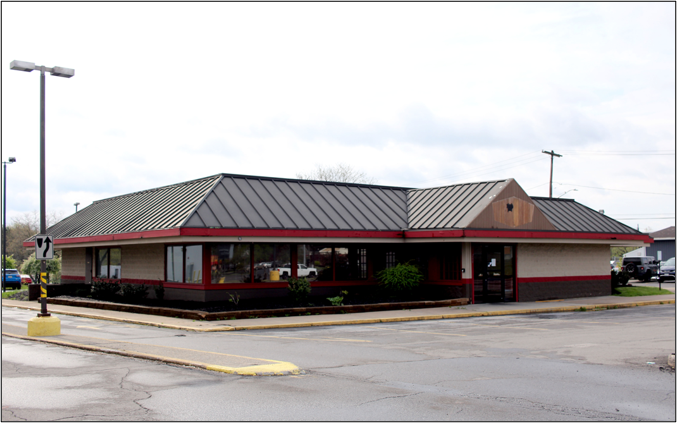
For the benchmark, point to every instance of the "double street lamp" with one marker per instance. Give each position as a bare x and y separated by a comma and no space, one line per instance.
55,71
4,223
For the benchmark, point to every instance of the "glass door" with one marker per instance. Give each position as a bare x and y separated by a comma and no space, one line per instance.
493,267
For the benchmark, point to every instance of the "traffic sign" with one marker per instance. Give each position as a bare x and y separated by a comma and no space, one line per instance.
44,247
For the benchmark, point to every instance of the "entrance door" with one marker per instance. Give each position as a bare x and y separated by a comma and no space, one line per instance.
493,266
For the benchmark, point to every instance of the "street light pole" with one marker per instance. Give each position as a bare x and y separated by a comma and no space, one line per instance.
4,224
55,71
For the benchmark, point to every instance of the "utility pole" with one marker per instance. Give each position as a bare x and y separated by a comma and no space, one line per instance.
552,157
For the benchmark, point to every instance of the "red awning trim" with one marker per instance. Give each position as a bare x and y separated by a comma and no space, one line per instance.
564,278
291,233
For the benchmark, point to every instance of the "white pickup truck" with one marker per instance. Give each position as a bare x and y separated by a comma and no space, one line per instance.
303,271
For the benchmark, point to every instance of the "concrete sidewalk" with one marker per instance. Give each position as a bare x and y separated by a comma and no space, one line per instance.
471,310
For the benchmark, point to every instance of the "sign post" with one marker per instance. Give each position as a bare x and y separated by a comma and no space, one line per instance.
44,250
660,258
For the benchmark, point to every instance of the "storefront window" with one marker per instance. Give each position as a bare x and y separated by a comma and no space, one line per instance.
175,263
230,263
109,263
193,264
351,263
268,257
314,260
191,255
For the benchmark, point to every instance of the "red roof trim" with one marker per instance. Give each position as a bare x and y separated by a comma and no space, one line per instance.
564,279
288,233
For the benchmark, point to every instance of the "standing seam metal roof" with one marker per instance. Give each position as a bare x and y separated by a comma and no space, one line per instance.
252,202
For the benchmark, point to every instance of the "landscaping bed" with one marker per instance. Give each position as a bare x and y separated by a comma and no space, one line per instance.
253,313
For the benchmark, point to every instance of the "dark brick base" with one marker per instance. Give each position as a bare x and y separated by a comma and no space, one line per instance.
539,291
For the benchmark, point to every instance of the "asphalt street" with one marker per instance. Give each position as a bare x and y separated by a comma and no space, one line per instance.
593,365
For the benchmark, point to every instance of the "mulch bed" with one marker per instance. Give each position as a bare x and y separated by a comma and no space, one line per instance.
212,312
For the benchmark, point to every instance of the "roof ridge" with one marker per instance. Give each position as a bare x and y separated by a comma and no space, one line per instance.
462,183
131,194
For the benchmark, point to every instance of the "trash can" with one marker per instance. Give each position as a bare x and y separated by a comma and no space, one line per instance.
274,275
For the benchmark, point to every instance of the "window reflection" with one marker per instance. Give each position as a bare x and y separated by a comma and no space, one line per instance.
230,263
314,262
194,264
268,257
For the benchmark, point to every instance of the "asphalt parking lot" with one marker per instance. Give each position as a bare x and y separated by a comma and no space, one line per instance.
581,365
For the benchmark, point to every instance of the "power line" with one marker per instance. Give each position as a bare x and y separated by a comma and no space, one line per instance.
493,166
622,153
611,189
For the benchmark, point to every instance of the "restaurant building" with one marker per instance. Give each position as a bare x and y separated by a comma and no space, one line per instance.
210,237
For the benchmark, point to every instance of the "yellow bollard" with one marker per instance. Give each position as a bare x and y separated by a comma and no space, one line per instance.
44,324
274,275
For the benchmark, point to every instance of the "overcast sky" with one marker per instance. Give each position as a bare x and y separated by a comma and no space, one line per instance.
415,95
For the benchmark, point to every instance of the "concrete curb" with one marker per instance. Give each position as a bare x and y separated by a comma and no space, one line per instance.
280,368
369,321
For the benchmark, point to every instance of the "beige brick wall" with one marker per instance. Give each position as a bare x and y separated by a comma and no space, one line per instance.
143,261
542,260
73,262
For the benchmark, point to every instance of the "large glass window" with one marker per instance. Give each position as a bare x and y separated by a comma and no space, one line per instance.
230,263
193,264
175,263
268,257
351,263
315,261
191,255
109,263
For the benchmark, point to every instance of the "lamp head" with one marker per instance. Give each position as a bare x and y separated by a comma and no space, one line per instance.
12,159
22,66
63,72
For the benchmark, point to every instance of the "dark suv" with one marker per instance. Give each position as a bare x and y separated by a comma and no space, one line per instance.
641,268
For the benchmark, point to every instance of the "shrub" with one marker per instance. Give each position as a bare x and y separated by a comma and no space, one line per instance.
159,291
105,289
134,292
299,289
338,300
403,277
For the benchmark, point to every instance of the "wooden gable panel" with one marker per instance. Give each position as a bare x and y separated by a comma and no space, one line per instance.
512,209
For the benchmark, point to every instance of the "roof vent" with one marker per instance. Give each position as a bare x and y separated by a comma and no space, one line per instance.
601,211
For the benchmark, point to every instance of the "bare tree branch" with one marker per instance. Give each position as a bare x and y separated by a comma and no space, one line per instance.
339,173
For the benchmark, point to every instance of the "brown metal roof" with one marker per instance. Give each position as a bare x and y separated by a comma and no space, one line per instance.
252,202
568,215
453,206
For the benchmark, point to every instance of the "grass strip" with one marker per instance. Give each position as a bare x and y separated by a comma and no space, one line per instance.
639,291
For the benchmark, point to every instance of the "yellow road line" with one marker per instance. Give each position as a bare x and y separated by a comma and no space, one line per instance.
416,331
304,339
508,327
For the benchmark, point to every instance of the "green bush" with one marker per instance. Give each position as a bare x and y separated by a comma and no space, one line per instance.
132,292
8,262
31,266
338,300
105,289
400,278
159,291
299,289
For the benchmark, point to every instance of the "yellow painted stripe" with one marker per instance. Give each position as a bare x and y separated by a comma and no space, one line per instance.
416,331
303,339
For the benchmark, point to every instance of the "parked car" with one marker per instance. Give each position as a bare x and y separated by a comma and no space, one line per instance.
640,268
302,271
13,279
26,279
667,270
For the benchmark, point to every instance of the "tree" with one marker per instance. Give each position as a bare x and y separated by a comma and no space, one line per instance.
8,262
23,227
339,173
31,266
